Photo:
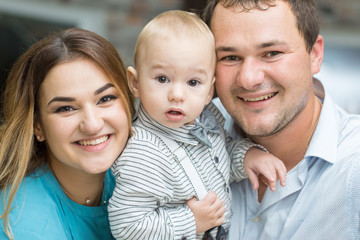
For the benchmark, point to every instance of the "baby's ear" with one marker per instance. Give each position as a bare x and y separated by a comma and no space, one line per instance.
132,78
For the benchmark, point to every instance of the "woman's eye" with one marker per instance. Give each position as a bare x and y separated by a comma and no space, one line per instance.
193,82
64,109
162,79
107,98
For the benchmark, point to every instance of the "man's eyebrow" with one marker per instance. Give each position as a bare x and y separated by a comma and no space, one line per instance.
225,49
260,46
270,44
103,88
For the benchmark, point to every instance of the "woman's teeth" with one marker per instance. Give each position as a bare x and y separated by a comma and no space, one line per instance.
94,141
259,98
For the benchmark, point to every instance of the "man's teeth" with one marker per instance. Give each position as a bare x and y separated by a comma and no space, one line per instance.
259,98
93,142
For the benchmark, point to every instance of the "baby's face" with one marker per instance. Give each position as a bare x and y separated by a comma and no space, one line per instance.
175,77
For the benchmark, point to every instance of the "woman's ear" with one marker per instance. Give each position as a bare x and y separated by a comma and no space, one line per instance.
38,132
132,78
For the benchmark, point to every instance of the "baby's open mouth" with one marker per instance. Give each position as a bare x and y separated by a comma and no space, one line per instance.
175,112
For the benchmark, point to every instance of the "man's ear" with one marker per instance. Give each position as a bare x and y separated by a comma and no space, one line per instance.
38,132
132,78
317,55
211,92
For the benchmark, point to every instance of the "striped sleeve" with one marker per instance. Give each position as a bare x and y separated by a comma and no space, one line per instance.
144,184
236,148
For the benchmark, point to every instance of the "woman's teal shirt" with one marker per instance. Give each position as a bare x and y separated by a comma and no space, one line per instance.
41,210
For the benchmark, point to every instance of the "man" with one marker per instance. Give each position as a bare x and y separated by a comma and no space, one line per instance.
268,52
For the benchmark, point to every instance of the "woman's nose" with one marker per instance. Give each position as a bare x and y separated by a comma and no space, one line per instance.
91,121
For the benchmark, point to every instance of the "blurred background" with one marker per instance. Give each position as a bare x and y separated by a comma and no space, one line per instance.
22,22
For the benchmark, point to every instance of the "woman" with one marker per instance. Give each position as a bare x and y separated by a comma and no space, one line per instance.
67,114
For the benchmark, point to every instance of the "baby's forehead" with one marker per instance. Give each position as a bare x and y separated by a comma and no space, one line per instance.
175,42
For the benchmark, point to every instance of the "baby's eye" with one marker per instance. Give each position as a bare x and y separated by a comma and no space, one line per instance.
64,109
107,98
162,79
193,82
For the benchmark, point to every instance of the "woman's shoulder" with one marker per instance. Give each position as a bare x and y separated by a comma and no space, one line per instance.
32,193
32,209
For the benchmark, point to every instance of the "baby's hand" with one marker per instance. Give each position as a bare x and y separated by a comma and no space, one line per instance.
208,212
264,166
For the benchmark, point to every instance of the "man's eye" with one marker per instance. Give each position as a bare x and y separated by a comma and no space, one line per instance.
162,79
64,109
193,82
272,54
231,58
107,98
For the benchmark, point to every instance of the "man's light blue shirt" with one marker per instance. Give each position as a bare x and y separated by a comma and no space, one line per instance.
321,200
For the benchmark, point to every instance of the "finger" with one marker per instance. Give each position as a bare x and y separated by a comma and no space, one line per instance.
221,211
281,173
192,200
272,185
220,220
191,203
270,177
253,177
217,205
210,197
269,174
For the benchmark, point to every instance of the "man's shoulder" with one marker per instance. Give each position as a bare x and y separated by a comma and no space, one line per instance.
349,132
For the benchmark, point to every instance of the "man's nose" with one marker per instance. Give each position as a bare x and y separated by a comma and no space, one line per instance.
251,74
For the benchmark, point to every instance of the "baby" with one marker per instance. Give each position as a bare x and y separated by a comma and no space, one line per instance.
174,76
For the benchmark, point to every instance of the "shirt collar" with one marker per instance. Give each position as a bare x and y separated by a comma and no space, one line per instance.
323,144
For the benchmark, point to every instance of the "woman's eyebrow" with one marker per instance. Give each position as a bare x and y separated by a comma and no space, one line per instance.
103,88
72,99
61,99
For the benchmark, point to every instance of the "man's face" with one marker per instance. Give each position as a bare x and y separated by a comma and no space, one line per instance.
264,73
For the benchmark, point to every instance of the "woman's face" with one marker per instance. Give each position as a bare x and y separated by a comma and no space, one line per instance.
82,118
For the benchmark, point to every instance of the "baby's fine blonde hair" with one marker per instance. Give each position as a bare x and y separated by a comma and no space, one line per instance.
176,24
